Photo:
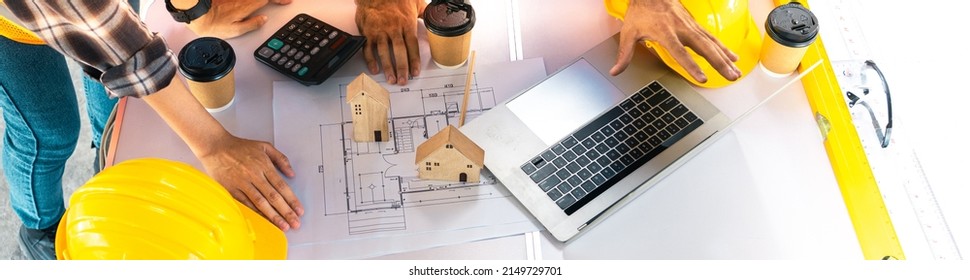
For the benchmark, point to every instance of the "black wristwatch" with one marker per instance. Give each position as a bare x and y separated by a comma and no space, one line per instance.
189,15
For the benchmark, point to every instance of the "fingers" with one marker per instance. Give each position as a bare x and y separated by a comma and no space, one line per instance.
624,54
683,58
400,59
289,197
714,55
384,52
241,197
248,171
279,160
369,57
246,8
247,25
282,198
272,197
414,53
730,54
282,2
267,200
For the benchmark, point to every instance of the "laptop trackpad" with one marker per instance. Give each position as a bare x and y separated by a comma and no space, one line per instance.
565,101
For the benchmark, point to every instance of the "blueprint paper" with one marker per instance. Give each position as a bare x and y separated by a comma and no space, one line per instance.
364,199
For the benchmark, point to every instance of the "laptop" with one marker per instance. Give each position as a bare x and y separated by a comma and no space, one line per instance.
581,143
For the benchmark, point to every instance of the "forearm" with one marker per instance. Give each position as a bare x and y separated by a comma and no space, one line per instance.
186,116
106,36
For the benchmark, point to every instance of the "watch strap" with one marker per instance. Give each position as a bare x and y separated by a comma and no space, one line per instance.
186,16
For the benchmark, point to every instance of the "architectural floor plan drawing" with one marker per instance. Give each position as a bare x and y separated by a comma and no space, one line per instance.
364,199
379,178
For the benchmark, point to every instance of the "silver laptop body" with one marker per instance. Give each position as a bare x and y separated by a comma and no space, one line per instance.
526,137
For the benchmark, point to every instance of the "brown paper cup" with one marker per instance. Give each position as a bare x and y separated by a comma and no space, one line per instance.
449,24
779,59
789,29
216,95
450,52
208,64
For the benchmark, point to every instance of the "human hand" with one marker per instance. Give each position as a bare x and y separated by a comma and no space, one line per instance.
670,25
248,170
229,18
391,28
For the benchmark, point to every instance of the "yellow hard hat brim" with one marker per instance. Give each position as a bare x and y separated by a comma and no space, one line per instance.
267,237
60,240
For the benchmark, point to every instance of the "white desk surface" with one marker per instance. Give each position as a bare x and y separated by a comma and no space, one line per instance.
765,191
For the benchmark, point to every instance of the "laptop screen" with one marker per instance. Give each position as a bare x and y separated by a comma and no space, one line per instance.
565,101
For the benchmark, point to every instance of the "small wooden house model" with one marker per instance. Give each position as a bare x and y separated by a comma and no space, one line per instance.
449,156
369,104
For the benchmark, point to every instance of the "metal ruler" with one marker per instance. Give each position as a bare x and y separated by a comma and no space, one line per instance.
937,233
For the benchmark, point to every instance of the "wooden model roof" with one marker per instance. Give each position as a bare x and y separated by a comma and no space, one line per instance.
461,143
363,85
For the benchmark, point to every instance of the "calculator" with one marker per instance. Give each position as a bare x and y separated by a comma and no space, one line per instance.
308,50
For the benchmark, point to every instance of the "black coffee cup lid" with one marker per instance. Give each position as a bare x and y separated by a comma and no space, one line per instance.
449,17
206,59
792,25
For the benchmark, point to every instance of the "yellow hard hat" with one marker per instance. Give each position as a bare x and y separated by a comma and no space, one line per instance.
728,20
160,209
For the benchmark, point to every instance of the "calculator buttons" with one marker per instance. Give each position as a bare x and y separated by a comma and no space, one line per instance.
339,42
308,50
266,52
275,44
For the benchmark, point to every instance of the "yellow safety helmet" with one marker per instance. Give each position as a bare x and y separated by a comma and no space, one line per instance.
728,20
159,209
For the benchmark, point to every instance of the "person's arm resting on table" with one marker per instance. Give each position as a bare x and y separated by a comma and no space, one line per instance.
130,61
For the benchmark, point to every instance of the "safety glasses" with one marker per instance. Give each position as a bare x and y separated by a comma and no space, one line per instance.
860,96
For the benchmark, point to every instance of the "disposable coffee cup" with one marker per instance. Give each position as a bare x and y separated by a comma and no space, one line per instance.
449,24
790,29
207,64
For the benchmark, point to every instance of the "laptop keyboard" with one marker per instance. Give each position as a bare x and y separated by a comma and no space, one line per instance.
591,160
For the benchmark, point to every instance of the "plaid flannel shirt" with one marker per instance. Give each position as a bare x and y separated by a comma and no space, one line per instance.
106,37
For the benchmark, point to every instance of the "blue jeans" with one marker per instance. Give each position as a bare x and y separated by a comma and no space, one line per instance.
40,109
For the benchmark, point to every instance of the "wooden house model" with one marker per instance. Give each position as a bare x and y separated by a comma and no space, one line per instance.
449,156
369,104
